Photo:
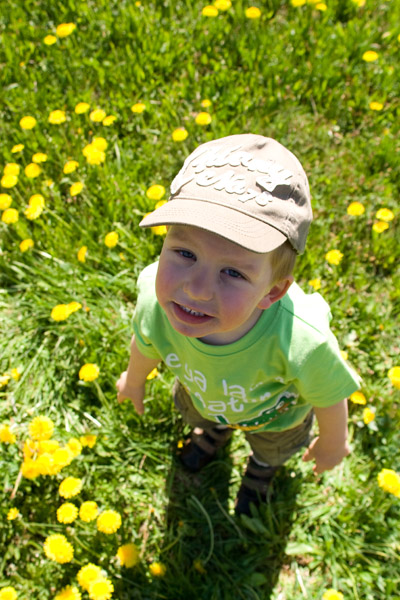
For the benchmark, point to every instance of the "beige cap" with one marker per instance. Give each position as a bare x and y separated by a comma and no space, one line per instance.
246,188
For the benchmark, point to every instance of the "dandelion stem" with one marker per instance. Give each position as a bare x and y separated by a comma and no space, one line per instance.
205,513
16,486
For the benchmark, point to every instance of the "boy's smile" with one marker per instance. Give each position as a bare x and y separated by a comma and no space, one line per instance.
211,288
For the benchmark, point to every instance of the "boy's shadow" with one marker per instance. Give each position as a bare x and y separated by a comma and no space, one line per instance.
216,555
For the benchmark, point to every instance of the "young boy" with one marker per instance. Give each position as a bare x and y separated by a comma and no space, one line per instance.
249,348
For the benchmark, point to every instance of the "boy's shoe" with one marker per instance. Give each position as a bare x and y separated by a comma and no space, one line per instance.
254,488
202,447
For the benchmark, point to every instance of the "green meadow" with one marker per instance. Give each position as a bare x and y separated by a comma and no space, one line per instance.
100,102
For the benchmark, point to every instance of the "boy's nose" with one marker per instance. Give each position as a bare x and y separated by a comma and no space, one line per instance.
198,285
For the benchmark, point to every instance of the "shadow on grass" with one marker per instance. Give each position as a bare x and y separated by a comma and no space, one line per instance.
210,553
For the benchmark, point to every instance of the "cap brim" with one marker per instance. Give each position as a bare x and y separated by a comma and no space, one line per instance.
239,228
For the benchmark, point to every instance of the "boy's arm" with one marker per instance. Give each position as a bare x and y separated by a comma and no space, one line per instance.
131,383
331,446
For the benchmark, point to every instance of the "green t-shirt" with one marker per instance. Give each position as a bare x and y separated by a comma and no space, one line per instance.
269,379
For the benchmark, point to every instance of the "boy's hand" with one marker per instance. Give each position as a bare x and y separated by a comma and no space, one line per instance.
135,394
326,456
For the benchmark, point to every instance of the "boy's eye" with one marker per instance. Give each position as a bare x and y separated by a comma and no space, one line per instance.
233,273
186,254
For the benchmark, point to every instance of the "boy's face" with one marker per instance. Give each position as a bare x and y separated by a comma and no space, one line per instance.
211,288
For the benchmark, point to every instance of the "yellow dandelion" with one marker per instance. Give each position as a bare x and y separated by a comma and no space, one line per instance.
198,565
33,212
70,166
203,118
100,143
16,373
26,244
88,440
355,209
65,29
297,3
75,446
394,376
385,214
97,115
128,555
378,226
154,373
108,521
87,574
370,56
67,513
76,188
179,135
32,170
17,148
109,120
62,457
93,155
6,435
56,117
111,239
60,312
321,6
206,103
13,514
81,108
27,122
37,201
253,12
70,592
138,108
41,428
70,487
223,4
29,469
89,372
389,481
155,192
8,593
209,11
4,379
48,446
57,548
74,306
5,201
358,398
368,415
82,254
334,257
49,40
359,3
159,230
11,169
315,283
157,569
9,181
88,511
332,594
101,589
376,106
44,464
39,157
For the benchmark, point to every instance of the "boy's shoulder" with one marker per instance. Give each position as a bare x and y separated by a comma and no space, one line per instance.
311,310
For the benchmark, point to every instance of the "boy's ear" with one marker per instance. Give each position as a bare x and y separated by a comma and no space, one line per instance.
275,293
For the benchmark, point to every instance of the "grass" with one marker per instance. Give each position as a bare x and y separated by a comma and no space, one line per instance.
297,74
